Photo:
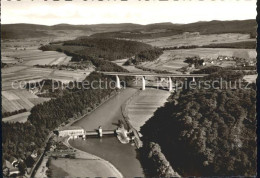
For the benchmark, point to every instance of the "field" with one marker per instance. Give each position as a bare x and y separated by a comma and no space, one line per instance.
22,117
62,167
30,57
142,107
14,97
13,100
171,60
188,39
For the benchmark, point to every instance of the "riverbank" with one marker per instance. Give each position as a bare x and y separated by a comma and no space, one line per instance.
93,164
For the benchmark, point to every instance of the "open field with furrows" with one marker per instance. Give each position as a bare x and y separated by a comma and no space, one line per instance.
188,39
23,71
14,100
32,57
142,107
171,60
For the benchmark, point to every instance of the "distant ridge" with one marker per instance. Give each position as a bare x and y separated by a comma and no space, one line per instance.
23,30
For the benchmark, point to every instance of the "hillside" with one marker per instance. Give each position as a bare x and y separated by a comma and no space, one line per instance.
168,29
129,30
105,48
207,132
21,31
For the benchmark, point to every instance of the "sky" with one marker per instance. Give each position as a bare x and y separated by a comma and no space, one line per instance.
131,11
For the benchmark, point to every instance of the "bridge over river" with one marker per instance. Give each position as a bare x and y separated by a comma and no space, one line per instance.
143,75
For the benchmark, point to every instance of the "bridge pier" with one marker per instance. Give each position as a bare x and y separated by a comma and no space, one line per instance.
170,84
143,83
117,82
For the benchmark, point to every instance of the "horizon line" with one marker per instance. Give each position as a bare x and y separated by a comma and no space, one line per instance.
127,23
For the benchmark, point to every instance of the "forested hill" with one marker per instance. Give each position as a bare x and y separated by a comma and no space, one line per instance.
109,49
204,28
128,30
101,51
207,132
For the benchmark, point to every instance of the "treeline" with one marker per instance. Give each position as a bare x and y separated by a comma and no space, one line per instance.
207,132
19,140
225,73
81,66
7,114
145,56
136,34
181,47
194,60
237,45
153,70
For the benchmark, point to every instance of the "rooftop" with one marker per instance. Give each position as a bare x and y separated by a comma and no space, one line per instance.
71,128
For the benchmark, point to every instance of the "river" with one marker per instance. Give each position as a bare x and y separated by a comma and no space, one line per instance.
123,157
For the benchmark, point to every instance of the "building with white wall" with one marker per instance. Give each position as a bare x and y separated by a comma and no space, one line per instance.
71,131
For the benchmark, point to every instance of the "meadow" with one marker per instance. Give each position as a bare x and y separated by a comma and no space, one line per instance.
172,60
188,39
142,106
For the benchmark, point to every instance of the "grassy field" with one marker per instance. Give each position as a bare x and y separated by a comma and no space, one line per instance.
171,60
142,107
188,39
32,57
22,117
62,167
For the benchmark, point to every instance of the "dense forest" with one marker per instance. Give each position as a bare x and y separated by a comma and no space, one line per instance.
109,49
101,51
145,56
20,139
103,48
154,162
207,132
81,57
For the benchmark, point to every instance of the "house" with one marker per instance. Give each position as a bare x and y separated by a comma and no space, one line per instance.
34,154
71,131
